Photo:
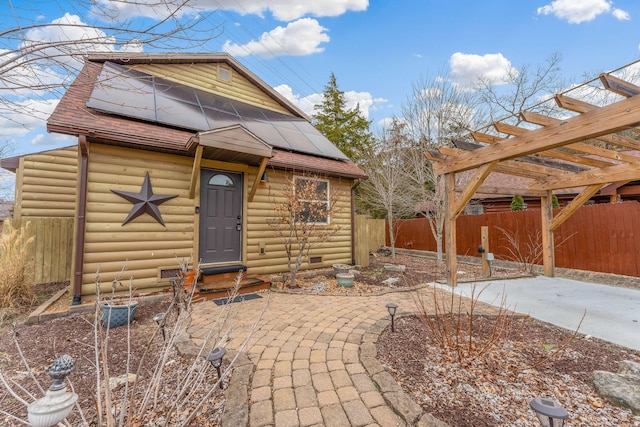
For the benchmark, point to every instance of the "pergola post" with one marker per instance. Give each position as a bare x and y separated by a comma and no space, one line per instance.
548,256
450,229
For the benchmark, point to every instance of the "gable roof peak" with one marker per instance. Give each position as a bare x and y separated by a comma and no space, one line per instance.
146,58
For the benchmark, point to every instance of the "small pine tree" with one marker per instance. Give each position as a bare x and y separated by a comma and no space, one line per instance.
517,203
554,201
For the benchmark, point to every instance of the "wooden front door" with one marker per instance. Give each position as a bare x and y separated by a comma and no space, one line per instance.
220,216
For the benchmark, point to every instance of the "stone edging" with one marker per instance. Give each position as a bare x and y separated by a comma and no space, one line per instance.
236,408
341,294
391,392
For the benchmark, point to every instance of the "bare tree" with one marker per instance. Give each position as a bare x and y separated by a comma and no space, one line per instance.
38,59
437,112
384,164
303,215
522,88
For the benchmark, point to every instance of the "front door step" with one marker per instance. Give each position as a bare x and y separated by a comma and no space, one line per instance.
221,285
222,273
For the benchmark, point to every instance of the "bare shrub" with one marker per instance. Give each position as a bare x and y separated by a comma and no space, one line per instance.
527,252
15,281
176,392
450,319
302,218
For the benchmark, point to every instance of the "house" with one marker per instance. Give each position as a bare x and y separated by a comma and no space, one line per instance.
179,155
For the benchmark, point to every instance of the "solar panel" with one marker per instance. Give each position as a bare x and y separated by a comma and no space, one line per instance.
126,92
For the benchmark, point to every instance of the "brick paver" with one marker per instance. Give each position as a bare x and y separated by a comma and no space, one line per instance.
314,359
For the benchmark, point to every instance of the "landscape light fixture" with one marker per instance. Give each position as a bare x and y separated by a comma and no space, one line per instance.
549,413
264,177
392,312
215,357
159,319
57,402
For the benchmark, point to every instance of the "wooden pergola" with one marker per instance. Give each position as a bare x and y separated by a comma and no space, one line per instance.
554,154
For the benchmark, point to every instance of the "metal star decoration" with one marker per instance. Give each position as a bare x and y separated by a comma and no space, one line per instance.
144,201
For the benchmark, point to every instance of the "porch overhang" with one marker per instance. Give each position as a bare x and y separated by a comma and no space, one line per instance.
234,144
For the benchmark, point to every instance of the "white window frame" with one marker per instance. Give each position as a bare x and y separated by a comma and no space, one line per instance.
326,202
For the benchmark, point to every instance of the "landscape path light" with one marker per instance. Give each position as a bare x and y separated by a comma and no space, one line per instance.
549,413
57,402
392,307
215,357
159,319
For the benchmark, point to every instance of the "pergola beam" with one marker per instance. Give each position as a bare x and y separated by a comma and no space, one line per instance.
472,186
509,167
573,206
450,230
556,154
602,176
539,119
592,124
619,86
507,191
578,106
540,161
578,146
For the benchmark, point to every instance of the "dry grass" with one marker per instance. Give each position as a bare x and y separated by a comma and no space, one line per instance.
15,281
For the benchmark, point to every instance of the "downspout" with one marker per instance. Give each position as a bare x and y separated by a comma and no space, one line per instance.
353,221
80,221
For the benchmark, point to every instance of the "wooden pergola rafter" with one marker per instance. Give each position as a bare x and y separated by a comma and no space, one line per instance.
583,152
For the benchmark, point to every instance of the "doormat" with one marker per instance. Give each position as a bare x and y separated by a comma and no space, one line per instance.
238,298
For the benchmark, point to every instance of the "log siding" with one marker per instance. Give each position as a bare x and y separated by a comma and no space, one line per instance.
46,184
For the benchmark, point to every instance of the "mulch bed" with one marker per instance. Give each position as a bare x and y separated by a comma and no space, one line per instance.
492,391
74,335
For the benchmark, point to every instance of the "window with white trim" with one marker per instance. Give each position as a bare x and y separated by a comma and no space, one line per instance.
313,196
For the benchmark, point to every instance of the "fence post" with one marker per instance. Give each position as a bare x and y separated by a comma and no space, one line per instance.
484,241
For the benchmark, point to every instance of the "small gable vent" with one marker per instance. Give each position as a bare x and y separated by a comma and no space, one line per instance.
224,74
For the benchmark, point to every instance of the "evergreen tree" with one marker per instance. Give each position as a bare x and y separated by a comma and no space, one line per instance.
348,129
517,203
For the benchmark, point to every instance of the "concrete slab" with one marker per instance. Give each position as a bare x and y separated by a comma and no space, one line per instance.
611,313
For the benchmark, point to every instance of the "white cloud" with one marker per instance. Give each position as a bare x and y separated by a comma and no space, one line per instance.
576,12
301,37
387,122
25,116
22,77
306,103
64,38
363,100
283,10
621,15
466,69
47,141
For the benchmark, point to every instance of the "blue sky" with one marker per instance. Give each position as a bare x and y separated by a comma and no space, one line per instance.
377,49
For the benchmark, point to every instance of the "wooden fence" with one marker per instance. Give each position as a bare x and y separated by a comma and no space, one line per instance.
49,255
603,237
369,236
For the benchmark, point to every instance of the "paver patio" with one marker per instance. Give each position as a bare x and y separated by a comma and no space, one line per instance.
311,361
